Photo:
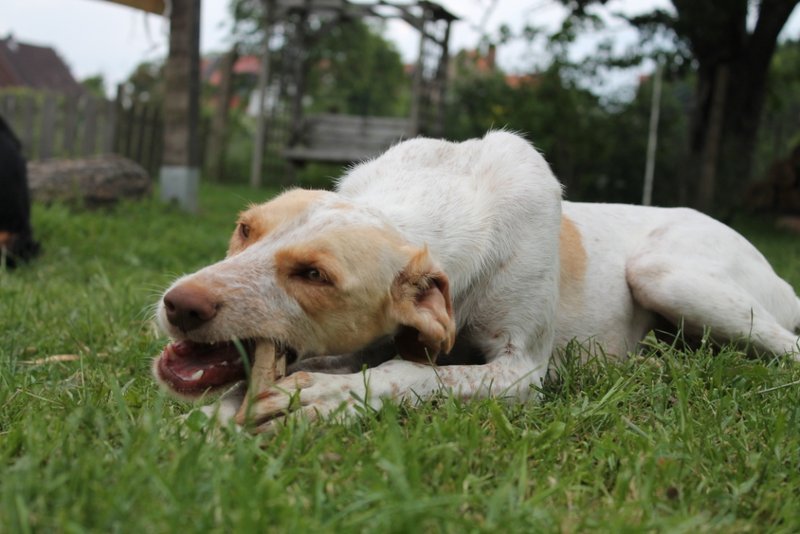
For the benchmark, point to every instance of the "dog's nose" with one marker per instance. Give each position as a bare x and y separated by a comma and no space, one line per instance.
189,306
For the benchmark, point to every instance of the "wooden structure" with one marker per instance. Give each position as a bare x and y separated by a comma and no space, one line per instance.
52,125
333,138
339,138
151,6
180,169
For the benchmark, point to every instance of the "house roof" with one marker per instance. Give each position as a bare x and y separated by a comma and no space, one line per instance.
25,65
210,67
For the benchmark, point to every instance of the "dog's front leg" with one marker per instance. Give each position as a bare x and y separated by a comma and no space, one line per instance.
315,394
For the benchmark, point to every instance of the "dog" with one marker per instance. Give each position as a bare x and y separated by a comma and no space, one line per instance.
454,267
16,235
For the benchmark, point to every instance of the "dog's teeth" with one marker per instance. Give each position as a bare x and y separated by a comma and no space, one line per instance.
197,375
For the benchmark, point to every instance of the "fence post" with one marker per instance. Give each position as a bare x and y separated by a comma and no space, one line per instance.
118,122
70,125
7,108
156,141
130,130
27,120
48,126
109,125
141,118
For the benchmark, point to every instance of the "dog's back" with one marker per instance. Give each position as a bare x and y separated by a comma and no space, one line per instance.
465,201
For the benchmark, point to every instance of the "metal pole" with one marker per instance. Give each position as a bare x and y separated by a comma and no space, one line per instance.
417,86
652,138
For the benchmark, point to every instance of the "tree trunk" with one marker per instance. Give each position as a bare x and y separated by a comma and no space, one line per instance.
712,140
743,105
732,74
182,81
179,173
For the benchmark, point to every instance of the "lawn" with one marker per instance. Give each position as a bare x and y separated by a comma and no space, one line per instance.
669,441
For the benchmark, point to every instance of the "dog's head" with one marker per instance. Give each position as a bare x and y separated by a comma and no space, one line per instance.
314,273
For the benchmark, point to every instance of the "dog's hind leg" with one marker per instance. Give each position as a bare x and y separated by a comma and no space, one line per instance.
704,298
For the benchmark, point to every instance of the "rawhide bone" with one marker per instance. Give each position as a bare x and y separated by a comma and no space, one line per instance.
268,368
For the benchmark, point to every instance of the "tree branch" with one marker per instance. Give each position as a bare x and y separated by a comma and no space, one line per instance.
772,16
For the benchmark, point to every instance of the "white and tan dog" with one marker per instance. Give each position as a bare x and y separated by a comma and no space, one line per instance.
463,252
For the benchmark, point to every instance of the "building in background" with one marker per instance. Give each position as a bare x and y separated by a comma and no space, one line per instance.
36,67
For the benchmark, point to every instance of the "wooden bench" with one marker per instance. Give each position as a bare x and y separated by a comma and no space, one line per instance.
337,138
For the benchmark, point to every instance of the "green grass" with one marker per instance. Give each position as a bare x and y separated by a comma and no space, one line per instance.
669,441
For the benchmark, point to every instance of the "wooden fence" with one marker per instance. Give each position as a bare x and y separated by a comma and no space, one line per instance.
51,125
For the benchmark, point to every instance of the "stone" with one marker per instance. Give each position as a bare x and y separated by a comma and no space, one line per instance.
90,182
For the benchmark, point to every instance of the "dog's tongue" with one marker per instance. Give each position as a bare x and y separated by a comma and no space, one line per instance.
196,367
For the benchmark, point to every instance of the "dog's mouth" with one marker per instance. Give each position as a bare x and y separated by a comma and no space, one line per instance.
191,368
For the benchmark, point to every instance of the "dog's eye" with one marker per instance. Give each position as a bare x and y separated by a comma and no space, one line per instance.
244,230
313,274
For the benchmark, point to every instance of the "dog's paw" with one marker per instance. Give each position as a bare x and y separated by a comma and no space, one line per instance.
306,395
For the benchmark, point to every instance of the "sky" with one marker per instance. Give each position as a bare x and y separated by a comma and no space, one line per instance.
97,37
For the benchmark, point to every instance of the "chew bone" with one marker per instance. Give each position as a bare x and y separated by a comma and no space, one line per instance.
268,368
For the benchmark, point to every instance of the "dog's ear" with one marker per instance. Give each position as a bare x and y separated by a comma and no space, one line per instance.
422,306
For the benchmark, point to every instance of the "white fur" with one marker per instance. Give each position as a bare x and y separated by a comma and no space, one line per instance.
682,265
490,212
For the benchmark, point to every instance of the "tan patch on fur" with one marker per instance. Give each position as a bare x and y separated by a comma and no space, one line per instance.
262,219
314,298
573,259
344,257
5,238
289,384
268,394
422,304
360,263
